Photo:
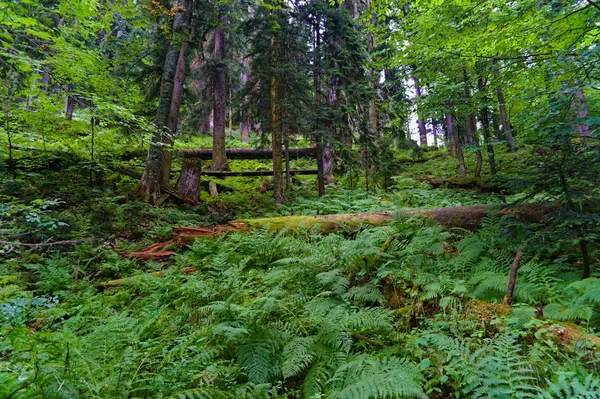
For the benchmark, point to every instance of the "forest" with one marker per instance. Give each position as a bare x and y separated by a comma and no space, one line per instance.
260,199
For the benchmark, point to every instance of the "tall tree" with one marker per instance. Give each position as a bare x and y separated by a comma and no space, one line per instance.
219,157
153,175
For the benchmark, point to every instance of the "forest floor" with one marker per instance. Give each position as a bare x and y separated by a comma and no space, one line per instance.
410,309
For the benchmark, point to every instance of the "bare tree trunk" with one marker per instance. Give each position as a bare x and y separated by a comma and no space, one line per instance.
176,97
420,122
496,125
371,73
69,106
582,111
502,105
484,115
219,160
150,183
208,124
276,127
512,280
189,180
318,138
458,139
450,126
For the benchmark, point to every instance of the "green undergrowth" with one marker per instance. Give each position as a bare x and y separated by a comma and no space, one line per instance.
406,310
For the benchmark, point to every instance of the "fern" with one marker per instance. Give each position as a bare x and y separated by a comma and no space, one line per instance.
502,372
256,357
565,388
365,377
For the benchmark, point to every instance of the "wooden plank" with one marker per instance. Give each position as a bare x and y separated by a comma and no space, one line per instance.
255,173
249,153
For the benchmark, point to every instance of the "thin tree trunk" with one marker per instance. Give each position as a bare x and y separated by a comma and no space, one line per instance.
372,77
458,139
219,160
512,280
496,125
582,111
150,183
69,106
276,127
502,105
420,122
207,124
450,126
484,115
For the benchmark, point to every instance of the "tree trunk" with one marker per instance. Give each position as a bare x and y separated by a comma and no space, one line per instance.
496,125
189,180
451,128
582,111
458,139
245,123
151,180
208,124
472,133
502,105
371,74
176,97
420,122
484,115
219,158
276,127
465,217
69,106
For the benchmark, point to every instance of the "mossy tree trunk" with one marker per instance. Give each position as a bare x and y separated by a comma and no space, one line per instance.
151,180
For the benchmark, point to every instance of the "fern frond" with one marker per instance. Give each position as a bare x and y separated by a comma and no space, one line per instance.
366,377
256,357
297,356
202,393
572,389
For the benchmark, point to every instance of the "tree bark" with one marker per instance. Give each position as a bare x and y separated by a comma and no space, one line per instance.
69,107
512,280
582,111
451,128
152,178
276,126
189,180
459,151
502,106
420,122
245,123
484,116
176,97
219,157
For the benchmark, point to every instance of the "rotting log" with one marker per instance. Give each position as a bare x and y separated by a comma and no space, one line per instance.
465,217
249,153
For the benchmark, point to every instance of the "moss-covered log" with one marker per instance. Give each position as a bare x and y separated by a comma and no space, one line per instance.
465,217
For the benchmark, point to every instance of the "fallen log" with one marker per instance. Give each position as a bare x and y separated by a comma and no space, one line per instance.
255,173
466,183
464,217
249,153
